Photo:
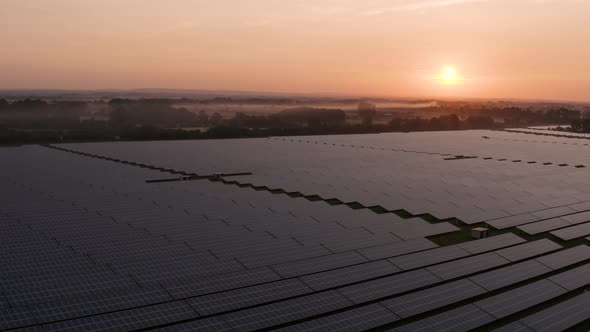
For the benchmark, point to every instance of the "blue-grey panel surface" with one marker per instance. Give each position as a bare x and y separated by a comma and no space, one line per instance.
359,319
96,246
509,275
521,298
347,275
528,249
468,265
464,318
560,316
433,298
282,312
388,286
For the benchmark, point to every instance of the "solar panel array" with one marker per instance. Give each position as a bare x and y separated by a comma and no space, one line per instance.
353,232
474,190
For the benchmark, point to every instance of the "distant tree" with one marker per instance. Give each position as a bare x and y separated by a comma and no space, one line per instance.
240,119
577,125
395,124
202,118
435,124
215,119
449,122
120,117
416,124
581,126
30,105
479,122
313,117
367,112
562,115
119,101
4,104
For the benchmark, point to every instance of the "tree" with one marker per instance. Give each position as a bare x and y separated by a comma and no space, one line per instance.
561,115
367,112
215,119
202,118
120,117
479,122
449,122
581,126
313,117
30,105
3,104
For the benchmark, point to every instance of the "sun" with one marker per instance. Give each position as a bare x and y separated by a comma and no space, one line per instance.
449,74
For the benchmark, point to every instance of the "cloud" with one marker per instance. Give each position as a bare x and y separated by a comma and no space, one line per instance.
418,5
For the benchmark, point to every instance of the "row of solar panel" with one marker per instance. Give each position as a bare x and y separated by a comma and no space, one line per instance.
263,293
154,226
463,318
472,212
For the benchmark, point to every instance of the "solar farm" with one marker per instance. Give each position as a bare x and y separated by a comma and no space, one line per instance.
435,231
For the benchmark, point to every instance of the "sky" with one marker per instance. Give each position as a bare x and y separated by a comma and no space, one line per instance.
527,49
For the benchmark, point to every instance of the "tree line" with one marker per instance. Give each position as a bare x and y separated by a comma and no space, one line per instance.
36,120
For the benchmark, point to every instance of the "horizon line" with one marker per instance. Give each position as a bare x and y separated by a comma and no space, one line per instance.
301,94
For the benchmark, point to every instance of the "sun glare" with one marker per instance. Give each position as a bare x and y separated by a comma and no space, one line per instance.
449,74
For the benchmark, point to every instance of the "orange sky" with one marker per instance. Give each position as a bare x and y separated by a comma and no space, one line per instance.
500,48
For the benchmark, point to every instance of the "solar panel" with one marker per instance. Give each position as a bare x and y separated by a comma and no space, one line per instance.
358,240
543,226
213,324
349,275
4,303
574,232
244,297
375,145
566,257
528,250
107,301
467,265
359,319
513,327
519,299
574,278
580,206
553,212
509,275
318,264
511,221
187,287
463,318
429,257
577,218
397,249
432,298
15,317
137,318
270,258
560,316
388,286
286,311
79,250
416,231
491,243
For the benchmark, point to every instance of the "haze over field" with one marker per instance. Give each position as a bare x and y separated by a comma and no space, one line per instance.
534,49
